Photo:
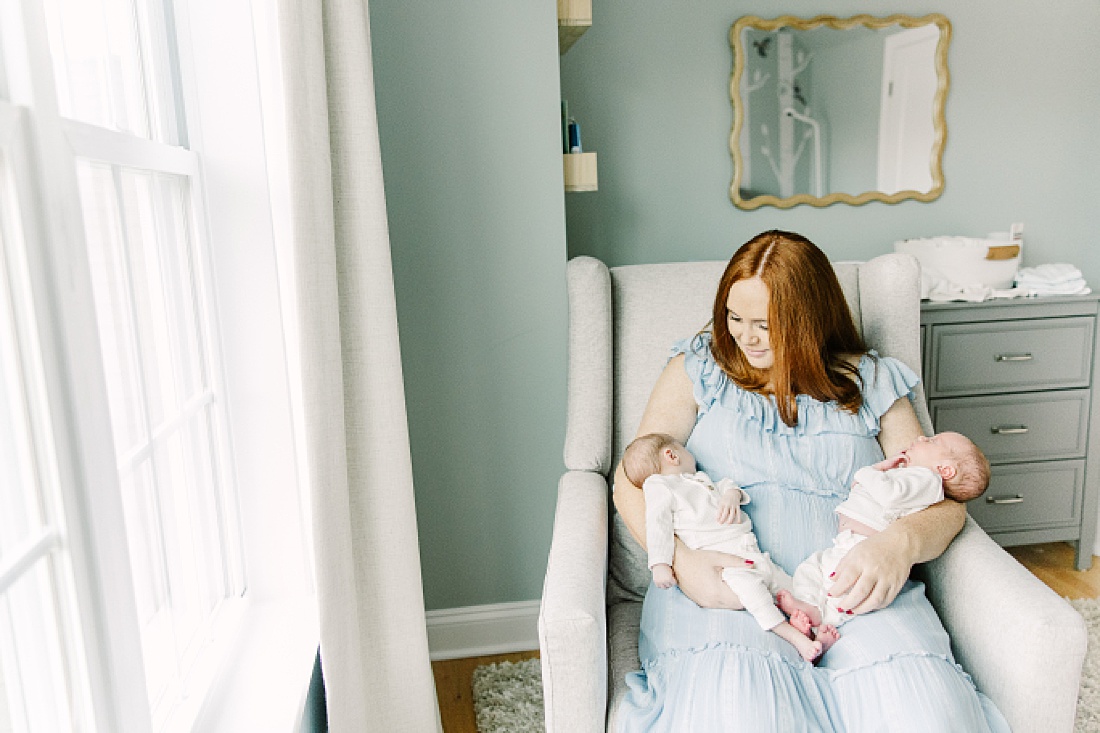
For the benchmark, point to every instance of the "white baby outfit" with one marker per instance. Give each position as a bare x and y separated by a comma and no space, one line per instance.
877,498
686,505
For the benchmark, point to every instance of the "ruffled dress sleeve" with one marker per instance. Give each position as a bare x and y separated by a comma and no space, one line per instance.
885,380
707,378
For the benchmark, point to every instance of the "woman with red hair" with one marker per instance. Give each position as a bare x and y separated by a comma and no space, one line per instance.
782,396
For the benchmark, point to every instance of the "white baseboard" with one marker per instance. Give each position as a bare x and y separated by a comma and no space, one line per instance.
477,631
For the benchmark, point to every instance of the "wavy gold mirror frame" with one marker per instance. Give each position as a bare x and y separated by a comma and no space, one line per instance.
802,136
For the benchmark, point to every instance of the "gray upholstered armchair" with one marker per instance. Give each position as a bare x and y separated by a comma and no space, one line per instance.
1027,656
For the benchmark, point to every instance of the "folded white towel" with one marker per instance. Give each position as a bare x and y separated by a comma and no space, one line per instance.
1073,287
1051,274
939,290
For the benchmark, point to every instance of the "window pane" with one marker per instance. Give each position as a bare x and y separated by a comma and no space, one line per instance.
149,288
4,95
146,542
213,529
184,557
6,724
184,301
110,64
114,304
32,656
19,511
20,514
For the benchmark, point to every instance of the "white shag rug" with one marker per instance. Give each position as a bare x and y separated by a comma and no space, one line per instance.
1088,697
508,695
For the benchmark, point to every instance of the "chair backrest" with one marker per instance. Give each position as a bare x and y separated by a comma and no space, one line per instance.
623,321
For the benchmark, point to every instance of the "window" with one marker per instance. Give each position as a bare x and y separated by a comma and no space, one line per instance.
166,414
112,68
154,317
43,680
146,443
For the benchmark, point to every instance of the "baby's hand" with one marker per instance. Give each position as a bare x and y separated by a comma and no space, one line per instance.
729,507
663,576
889,463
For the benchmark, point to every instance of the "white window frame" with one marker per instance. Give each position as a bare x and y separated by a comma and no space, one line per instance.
272,637
45,550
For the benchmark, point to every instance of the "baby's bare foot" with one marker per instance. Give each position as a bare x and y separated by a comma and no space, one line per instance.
786,602
810,650
789,605
828,635
801,621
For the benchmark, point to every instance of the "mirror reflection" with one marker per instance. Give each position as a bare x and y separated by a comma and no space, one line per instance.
831,110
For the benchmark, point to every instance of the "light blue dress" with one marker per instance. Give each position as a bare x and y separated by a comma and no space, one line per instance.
716,670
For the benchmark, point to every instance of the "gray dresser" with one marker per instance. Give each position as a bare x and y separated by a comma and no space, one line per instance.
1017,378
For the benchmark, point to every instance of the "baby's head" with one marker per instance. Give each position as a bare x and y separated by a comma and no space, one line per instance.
656,453
961,464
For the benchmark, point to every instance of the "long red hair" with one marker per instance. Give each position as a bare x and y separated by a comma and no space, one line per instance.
810,327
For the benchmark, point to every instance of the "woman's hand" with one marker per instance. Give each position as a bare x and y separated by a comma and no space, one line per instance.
699,573
872,573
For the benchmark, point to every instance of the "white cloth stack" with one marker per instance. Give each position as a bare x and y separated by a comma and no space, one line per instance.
939,290
1052,279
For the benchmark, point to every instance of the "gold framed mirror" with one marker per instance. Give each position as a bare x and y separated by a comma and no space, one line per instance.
838,110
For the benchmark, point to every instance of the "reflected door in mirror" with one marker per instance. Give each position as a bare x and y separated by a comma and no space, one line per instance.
906,132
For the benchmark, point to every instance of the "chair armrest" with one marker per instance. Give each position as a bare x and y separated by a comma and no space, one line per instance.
588,409
572,616
1022,643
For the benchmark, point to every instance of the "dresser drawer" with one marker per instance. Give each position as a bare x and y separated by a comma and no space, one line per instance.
977,358
1020,427
1030,496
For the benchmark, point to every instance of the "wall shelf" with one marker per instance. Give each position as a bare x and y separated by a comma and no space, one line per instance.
580,172
574,18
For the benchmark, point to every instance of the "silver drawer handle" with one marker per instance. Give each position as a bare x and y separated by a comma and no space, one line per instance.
1012,357
1005,500
1008,429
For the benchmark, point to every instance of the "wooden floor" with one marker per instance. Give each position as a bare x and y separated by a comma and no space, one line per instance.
1051,563
456,696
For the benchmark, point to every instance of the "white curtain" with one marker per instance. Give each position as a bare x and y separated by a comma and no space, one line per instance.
374,648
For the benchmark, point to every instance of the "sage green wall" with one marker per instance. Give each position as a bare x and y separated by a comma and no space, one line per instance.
468,115
649,85
468,112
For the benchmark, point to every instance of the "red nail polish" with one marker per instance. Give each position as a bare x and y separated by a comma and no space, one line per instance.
750,562
848,612
831,574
